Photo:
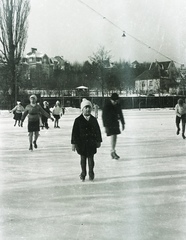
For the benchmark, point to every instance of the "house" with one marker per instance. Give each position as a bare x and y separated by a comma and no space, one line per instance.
39,67
159,78
135,64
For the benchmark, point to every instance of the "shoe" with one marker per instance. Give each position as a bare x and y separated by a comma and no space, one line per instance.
35,144
31,147
114,155
183,136
178,131
82,178
117,157
58,126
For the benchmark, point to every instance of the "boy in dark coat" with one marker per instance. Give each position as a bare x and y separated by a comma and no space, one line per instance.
86,138
111,115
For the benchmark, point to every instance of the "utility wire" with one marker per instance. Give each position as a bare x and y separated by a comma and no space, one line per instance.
126,33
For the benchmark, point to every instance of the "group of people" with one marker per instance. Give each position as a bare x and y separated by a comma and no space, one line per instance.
86,134
37,117
57,112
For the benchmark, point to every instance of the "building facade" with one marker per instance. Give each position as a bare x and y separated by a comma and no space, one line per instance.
158,79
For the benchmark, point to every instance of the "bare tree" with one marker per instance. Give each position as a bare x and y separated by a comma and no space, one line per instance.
101,61
13,37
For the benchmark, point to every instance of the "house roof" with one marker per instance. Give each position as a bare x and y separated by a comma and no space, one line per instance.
135,62
162,65
147,74
157,70
35,54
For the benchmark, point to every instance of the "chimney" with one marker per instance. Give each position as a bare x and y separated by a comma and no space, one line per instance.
34,50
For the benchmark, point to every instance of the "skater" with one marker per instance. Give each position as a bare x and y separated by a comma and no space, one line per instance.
44,119
17,111
111,115
33,110
180,110
63,110
86,138
57,113
96,107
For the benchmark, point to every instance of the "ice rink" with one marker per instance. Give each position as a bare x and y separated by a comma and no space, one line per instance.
142,196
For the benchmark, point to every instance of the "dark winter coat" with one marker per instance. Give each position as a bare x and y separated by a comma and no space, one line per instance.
86,135
111,115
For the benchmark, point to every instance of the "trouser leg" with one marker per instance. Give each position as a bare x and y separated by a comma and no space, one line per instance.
91,167
183,124
46,124
178,119
83,166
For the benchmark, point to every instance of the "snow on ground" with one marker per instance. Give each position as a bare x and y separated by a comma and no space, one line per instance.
142,196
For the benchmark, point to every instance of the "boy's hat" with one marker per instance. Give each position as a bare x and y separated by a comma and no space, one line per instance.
114,96
57,102
85,103
33,96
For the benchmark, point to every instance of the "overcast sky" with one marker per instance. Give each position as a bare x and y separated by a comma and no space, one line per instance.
70,29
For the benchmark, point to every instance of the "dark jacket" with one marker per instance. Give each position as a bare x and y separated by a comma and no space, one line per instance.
86,135
111,114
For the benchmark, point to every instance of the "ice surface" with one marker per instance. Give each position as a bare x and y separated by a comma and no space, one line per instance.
142,196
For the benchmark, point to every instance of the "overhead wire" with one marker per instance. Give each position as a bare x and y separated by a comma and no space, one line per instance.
126,33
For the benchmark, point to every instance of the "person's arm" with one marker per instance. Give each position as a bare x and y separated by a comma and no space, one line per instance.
44,113
105,116
176,111
98,134
121,118
14,109
24,115
74,136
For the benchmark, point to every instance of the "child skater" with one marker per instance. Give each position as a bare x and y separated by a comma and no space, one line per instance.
44,119
57,113
34,111
18,110
96,107
180,110
86,138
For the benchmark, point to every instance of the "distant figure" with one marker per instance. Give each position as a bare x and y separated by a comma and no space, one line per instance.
86,138
34,111
96,107
63,110
112,114
57,113
180,110
17,111
44,119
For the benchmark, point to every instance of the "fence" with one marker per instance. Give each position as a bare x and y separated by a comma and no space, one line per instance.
126,102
